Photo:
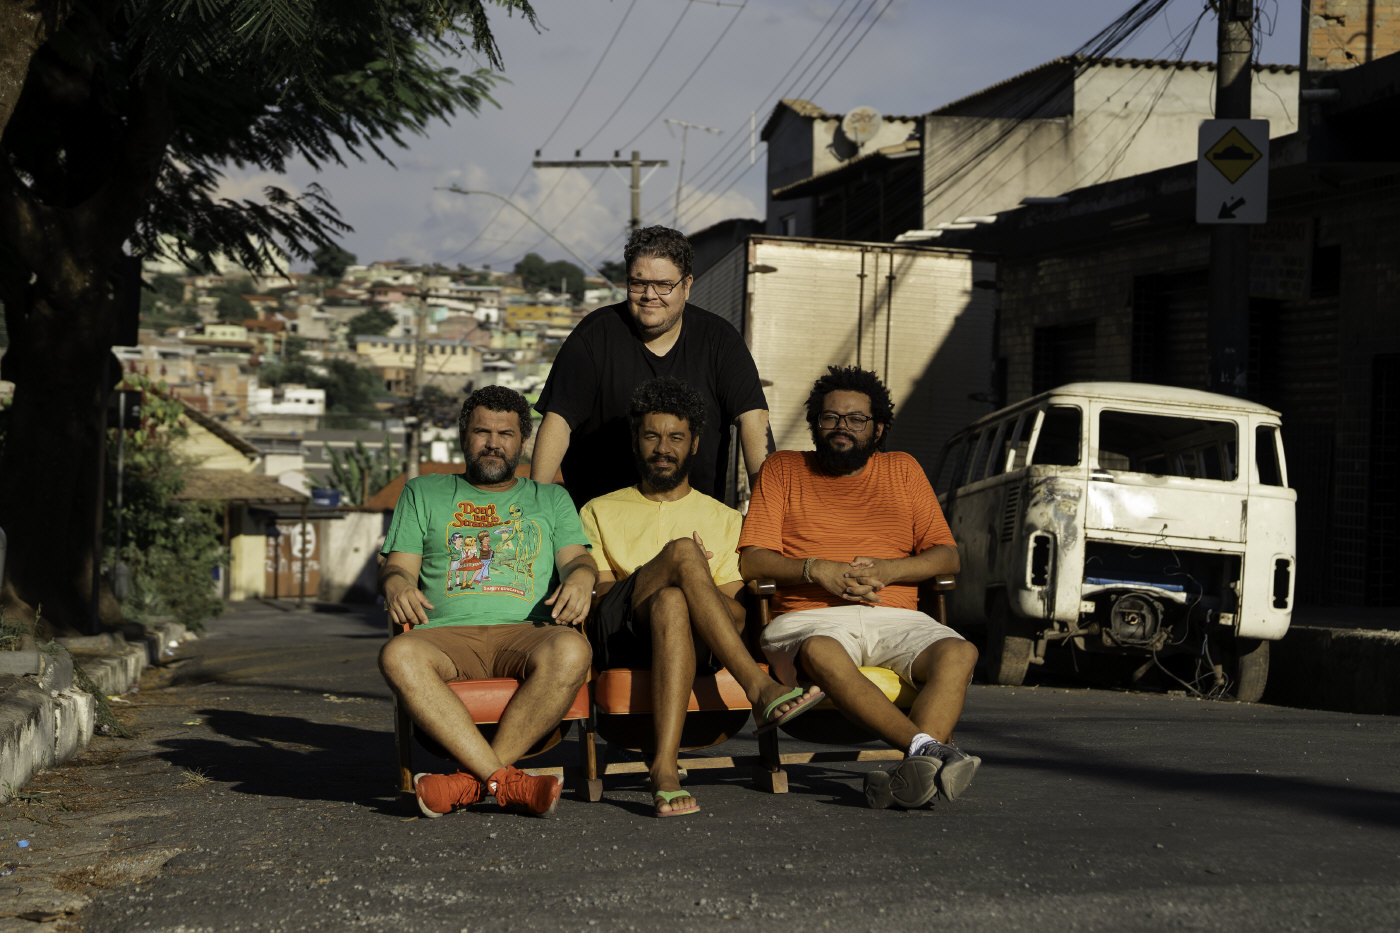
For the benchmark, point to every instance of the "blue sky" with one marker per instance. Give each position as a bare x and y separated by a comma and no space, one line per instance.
712,63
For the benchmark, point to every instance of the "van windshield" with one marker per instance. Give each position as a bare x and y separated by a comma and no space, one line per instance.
1166,446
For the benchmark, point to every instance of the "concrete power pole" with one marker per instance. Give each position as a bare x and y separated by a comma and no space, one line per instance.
414,454
1227,333
636,163
680,172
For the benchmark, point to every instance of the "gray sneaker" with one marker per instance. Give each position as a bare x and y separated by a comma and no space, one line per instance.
910,784
955,767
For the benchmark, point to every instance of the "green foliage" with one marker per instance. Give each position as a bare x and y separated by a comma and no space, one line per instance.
163,302
614,271
535,273
330,261
351,390
374,321
361,472
171,546
232,306
350,393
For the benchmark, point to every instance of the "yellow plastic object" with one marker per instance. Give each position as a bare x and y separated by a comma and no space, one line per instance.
895,690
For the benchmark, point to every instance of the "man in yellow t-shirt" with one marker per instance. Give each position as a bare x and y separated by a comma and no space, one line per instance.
668,577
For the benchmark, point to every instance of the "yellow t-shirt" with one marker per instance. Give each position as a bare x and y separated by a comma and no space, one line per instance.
626,529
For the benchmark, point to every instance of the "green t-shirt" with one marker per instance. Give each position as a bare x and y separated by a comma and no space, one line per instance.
488,557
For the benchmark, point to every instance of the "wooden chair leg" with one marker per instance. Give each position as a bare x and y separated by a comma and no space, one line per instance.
769,774
592,789
403,747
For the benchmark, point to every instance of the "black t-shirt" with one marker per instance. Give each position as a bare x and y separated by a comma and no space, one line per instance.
600,364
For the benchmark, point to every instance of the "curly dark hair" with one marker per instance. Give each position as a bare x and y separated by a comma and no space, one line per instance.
495,398
671,397
659,243
853,379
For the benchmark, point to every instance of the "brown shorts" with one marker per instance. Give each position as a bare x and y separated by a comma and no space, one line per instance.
479,651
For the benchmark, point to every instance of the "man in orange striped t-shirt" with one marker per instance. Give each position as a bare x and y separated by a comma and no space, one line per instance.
852,530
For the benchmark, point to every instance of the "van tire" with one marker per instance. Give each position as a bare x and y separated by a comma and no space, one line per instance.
1009,645
1251,669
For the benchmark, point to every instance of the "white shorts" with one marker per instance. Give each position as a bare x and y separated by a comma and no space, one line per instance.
873,636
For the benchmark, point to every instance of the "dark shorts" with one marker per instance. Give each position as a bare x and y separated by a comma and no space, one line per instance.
620,639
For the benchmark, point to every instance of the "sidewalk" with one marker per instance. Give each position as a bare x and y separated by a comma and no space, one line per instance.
1335,658
46,718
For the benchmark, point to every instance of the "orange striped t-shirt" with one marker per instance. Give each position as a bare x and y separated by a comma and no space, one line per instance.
888,510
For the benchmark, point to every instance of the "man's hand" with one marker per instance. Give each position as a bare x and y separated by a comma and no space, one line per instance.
398,581
406,604
571,600
865,577
709,555
833,577
574,597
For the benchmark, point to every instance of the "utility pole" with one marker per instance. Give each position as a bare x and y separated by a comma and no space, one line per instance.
636,163
680,172
415,416
1227,332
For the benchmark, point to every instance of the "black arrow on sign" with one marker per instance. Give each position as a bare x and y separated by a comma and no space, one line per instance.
1227,209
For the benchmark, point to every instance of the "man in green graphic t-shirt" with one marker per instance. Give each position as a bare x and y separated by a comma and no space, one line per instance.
468,617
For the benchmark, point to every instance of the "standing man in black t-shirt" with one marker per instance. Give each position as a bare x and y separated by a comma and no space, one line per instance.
654,333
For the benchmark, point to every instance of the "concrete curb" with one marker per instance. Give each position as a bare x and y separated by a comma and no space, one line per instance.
45,718
1348,670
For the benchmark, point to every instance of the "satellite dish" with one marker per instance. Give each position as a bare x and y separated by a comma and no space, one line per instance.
861,124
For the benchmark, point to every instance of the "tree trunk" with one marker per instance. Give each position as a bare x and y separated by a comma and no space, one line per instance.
24,26
50,465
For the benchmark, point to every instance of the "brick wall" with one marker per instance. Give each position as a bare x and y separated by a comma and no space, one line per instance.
1342,34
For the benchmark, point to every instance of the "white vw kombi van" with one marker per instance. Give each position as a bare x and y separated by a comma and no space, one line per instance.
1129,519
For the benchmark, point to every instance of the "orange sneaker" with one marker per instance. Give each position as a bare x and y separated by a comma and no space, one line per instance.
442,793
537,794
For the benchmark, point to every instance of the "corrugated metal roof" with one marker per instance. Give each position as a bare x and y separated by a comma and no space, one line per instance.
237,486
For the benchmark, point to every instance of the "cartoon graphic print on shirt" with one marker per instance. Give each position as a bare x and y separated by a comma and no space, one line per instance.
473,567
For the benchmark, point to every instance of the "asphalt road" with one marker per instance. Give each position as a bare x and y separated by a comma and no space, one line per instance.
258,795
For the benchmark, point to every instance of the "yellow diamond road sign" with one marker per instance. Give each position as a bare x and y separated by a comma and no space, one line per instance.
1233,155
1232,172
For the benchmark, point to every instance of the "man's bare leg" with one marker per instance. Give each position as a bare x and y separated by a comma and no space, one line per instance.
944,669
553,674
828,664
672,677
715,618
418,675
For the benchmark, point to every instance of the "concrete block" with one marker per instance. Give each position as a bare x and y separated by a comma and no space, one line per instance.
21,663
115,673
26,733
1348,670
75,716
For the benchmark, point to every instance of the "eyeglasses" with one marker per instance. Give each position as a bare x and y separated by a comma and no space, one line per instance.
854,420
639,287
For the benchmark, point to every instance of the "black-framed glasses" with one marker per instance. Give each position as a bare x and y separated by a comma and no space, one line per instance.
854,420
662,289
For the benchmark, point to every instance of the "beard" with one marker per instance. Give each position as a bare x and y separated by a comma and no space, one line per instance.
834,462
480,472
659,481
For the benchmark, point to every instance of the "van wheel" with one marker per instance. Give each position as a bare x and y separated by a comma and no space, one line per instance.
1251,669
1008,645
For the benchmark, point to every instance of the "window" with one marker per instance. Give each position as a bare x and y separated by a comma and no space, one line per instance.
1059,440
978,465
1266,458
1165,445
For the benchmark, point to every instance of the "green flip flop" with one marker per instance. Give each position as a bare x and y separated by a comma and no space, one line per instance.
768,724
671,796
